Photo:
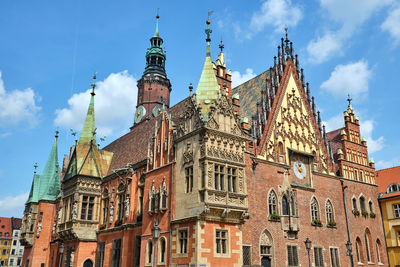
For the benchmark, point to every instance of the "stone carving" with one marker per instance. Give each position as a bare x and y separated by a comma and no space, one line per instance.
59,216
264,239
75,211
127,206
39,229
187,156
111,212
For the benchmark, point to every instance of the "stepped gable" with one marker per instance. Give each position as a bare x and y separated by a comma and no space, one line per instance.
250,93
132,147
335,138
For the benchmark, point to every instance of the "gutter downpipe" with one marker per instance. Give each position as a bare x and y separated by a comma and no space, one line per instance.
347,222
170,214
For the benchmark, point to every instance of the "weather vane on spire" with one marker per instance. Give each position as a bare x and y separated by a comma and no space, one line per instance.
94,83
35,167
349,99
208,30
221,46
57,132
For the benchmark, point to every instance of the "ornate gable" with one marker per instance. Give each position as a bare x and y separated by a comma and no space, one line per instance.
191,119
292,126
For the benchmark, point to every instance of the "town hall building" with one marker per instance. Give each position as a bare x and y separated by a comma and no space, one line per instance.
244,176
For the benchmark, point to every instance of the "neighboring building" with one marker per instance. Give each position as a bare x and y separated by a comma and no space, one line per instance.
5,240
232,177
388,181
16,250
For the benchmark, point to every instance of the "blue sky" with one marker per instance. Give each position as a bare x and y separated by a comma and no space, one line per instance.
49,51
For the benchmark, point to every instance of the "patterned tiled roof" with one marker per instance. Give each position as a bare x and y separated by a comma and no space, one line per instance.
250,94
132,147
334,138
386,177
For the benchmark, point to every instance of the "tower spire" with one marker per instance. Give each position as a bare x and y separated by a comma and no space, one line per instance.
89,125
156,34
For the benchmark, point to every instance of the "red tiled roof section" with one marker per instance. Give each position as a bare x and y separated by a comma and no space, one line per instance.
132,147
5,228
334,138
386,177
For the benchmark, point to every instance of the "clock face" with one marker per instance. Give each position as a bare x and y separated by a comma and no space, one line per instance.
139,114
157,110
299,169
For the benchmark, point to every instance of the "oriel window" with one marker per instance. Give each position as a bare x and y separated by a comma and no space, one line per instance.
231,179
219,177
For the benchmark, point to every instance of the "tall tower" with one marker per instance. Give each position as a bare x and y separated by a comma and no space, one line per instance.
154,87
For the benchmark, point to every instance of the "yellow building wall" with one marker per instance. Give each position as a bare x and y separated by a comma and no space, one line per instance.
5,244
392,228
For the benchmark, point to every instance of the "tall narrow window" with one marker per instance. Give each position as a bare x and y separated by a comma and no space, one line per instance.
106,203
162,249
371,208
87,208
285,206
116,253
221,239
189,179
329,212
292,256
362,203
272,203
314,210
219,177
183,241
367,247
231,179
318,257
100,254
149,251
246,255
292,206
354,203
334,257
121,205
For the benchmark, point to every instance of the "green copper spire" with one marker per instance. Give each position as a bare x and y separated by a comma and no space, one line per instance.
89,131
34,193
50,187
156,33
207,88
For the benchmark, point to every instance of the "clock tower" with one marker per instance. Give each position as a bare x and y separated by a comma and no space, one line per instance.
154,87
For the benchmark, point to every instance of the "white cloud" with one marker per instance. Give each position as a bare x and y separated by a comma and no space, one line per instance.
324,47
366,129
17,106
278,13
13,205
349,15
334,123
352,78
382,164
115,103
238,79
392,24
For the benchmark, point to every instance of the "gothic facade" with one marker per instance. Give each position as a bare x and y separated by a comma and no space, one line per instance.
229,177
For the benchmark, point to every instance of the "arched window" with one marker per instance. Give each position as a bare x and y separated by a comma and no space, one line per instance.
292,206
378,251
314,210
285,206
371,208
330,217
359,253
149,251
362,203
162,247
393,188
272,208
354,203
367,247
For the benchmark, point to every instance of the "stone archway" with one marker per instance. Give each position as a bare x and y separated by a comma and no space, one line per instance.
266,249
88,263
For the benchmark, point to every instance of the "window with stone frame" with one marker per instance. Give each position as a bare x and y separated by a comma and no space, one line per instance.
87,208
116,253
330,216
221,241
354,201
232,178
140,204
396,210
246,255
100,254
219,175
315,217
162,247
189,179
183,241
149,251
272,203
292,256
378,251
367,248
362,204
334,257
285,206
371,207
106,204
318,257
121,205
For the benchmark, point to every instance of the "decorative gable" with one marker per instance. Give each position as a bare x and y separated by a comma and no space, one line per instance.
292,126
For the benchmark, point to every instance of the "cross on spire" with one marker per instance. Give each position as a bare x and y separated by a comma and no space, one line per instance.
221,46
349,99
57,132
94,83
35,167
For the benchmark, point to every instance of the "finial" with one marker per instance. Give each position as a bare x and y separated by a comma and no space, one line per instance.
57,132
157,16
286,29
221,46
35,167
349,99
93,84
156,34
73,133
190,88
208,30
